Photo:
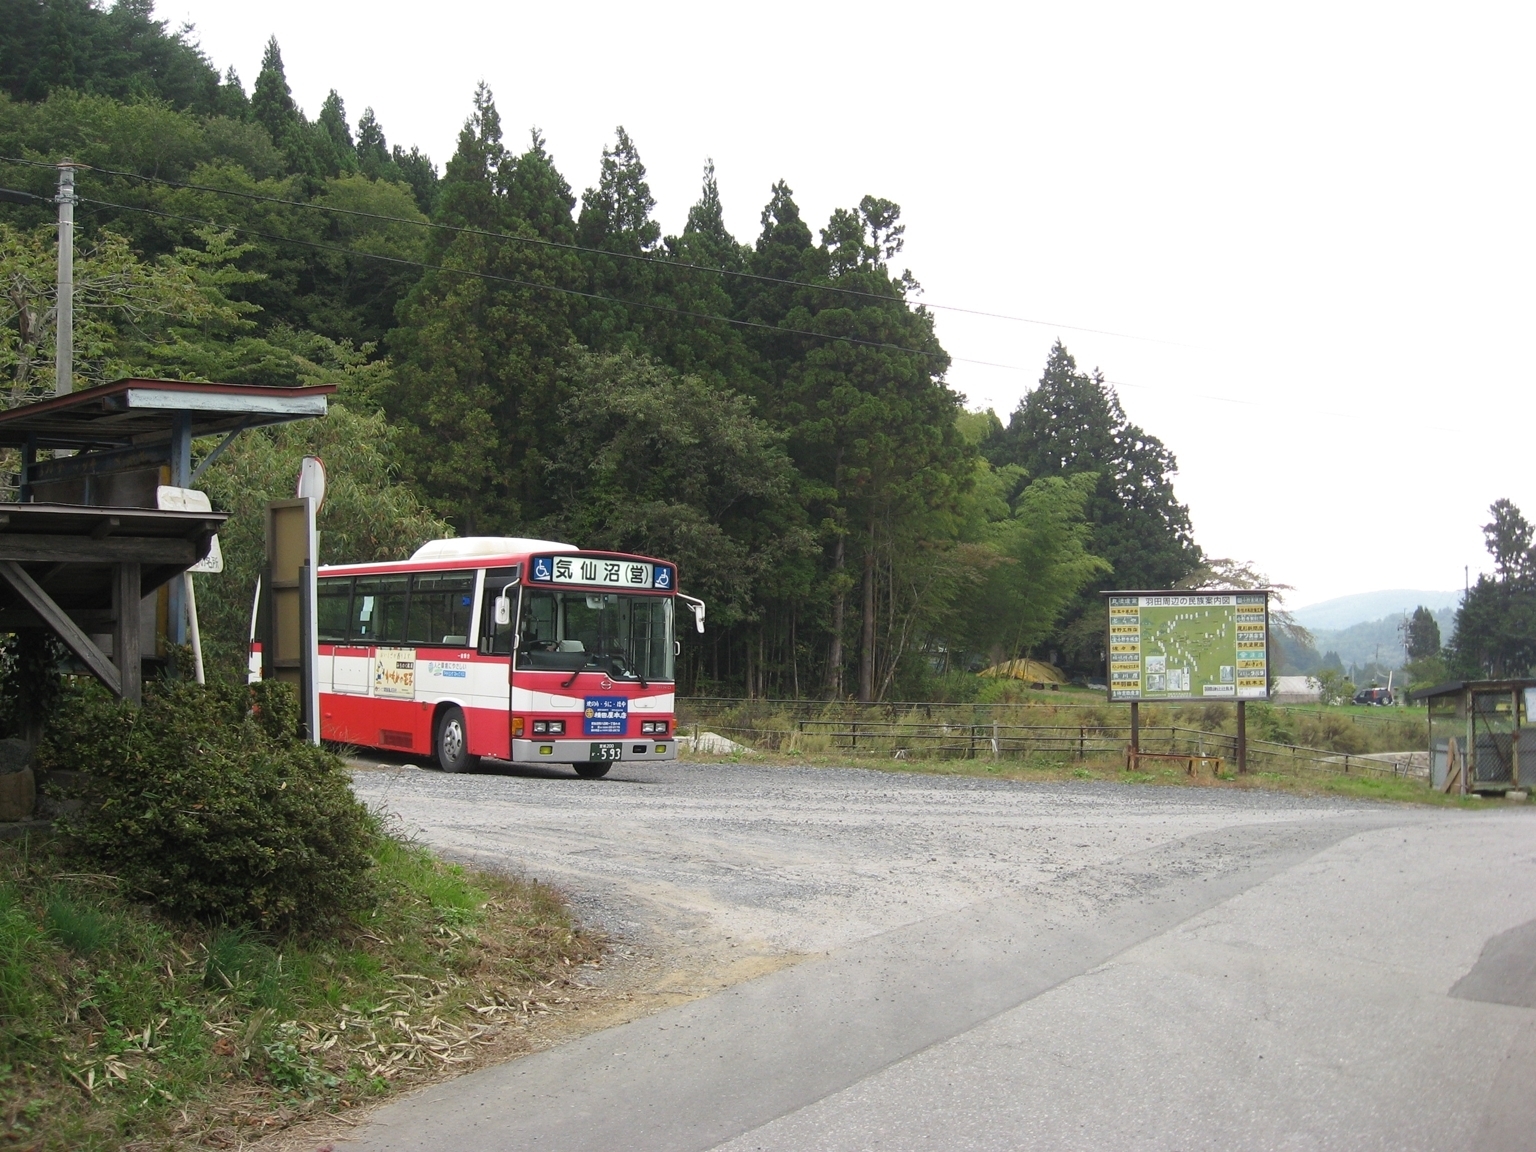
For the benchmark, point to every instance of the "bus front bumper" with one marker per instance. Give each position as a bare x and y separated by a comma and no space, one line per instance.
590,749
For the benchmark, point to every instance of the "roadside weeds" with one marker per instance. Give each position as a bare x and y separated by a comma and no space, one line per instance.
123,1030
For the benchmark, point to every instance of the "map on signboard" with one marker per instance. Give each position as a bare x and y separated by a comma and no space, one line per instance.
1184,645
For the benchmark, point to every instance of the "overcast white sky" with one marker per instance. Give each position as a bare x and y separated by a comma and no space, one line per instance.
1319,216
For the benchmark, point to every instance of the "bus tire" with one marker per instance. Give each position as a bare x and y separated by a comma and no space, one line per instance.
593,769
451,741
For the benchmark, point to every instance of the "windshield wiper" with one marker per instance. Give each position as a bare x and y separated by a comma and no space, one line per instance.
620,665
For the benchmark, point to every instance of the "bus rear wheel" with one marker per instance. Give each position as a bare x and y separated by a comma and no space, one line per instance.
451,742
593,769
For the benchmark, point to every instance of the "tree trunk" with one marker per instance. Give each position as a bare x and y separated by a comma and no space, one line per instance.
835,653
794,651
867,637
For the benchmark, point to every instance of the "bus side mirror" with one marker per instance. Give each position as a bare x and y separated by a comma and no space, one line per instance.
503,610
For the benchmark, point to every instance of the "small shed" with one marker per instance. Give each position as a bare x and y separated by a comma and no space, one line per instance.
1297,690
1480,734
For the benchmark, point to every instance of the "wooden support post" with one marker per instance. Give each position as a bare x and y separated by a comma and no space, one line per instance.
126,652
1242,737
56,618
1514,739
1135,726
181,477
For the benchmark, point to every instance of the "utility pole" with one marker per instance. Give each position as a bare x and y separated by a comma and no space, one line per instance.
64,339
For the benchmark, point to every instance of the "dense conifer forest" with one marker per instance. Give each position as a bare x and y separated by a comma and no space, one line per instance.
771,412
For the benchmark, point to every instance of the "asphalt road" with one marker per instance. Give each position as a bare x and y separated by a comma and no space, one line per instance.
989,965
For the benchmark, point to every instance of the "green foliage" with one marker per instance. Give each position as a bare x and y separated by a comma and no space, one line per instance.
653,461
1333,686
30,684
1042,561
1073,424
198,807
1427,671
118,51
126,308
1423,638
81,928
476,393
1495,632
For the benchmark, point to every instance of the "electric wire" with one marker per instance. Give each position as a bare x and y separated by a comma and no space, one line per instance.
558,244
536,285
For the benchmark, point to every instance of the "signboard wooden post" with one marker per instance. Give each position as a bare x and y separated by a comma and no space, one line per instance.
1206,644
291,643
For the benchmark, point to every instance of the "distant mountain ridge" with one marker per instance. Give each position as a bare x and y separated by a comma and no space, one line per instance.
1375,640
1366,607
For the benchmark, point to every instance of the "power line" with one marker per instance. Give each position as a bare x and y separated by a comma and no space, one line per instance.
542,242
854,340
544,287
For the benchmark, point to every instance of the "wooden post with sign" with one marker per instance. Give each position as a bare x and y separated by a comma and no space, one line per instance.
290,643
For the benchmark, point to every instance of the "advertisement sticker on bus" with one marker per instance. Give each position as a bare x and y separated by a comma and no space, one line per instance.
394,673
606,715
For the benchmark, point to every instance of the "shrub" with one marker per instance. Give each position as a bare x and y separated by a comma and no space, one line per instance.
211,809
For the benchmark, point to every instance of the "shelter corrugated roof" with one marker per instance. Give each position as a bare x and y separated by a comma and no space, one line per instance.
141,413
1454,687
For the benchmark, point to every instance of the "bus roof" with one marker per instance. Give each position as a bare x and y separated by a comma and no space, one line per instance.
463,547
476,552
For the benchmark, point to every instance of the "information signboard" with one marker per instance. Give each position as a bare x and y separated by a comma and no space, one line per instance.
1188,645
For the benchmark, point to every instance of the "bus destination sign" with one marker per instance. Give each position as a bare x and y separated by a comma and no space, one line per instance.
601,571
1188,645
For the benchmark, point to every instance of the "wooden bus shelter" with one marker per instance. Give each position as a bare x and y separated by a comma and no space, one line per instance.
86,542
1481,737
83,574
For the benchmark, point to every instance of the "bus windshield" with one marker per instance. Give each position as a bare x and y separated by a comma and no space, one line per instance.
628,637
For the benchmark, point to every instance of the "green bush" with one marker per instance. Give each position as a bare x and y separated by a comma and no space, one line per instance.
203,803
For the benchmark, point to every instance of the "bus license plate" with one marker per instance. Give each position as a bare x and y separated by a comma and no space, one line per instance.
606,750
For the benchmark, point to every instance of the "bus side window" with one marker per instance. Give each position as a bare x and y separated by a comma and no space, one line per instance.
496,639
378,610
334,609
440,603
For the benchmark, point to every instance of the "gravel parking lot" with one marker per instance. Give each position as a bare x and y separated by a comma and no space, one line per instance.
994,965
729,860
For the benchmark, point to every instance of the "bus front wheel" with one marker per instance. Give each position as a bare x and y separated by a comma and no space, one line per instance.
452,742
593,769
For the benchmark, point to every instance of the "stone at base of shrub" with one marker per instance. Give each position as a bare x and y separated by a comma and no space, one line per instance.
18,795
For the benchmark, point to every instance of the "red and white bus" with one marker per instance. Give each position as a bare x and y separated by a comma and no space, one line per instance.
532,651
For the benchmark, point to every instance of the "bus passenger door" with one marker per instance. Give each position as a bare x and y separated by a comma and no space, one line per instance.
352,663
493,680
